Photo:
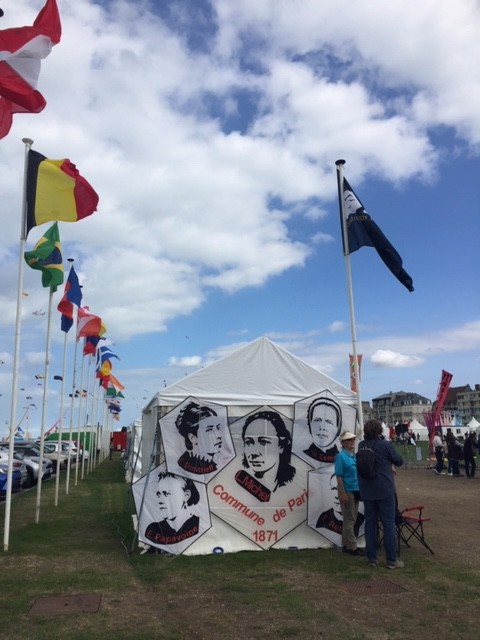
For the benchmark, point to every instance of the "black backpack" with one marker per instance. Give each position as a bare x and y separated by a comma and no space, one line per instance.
366,463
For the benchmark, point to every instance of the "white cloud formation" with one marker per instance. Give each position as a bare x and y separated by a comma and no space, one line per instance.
207,156
385,358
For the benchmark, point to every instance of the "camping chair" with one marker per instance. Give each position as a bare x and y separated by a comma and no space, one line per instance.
410,525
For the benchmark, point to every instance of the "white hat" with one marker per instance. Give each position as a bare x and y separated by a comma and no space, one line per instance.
347,435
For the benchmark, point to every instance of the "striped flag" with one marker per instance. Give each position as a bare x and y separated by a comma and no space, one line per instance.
56,191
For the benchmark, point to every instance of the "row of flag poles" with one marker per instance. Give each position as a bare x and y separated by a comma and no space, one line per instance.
55,191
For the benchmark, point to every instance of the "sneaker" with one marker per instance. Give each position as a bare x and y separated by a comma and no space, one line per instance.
436,472
372,563
396,565
450,474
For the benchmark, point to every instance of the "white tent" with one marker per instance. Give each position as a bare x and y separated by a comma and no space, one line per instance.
420,430
474,424
260,374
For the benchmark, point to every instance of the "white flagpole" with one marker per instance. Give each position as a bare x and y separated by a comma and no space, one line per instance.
44,408
13,409
60,423
79,417
86,419
346,253
67,482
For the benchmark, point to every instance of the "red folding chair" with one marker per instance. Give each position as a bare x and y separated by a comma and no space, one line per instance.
410,525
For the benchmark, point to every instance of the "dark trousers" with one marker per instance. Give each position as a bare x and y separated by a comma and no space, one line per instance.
470,466
439,457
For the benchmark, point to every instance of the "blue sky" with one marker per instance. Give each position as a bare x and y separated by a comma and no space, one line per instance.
210,131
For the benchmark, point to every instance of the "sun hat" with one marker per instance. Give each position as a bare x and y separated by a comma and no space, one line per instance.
347,435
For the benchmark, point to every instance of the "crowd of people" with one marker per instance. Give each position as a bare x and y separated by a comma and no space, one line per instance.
451,450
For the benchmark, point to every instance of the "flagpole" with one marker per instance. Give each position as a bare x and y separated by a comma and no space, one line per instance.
44,408
86,419
60,424
346,254
79,418
13,417
67,482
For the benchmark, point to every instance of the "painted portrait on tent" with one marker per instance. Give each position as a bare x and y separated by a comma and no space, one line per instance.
172,510
262,493
267,452
197,439
324,511
317,424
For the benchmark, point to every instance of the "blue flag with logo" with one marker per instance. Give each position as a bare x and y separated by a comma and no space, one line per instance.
363,232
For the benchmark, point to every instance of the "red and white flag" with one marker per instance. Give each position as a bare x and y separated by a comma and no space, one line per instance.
21,52
88,324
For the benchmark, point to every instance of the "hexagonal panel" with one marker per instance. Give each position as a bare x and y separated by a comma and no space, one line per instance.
262,493
317,424
196,439
324,512
172,510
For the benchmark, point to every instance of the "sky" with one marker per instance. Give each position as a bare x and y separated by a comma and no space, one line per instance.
210,131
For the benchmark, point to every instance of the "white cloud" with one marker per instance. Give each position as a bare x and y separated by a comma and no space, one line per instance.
384,358
185,361
201,194
337,326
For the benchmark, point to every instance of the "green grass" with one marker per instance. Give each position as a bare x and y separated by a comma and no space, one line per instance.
83,546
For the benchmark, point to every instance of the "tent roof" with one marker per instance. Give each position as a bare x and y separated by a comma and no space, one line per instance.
259,373
473,424
416,425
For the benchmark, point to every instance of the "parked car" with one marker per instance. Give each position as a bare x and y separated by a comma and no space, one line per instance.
16,477
63,448
59,459
31,457
18,463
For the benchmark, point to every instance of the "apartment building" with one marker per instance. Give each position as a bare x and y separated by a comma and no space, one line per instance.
400,407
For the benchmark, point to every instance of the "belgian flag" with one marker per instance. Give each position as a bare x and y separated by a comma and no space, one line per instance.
56,191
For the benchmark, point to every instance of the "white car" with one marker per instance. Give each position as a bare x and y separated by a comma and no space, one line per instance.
31,458
18,463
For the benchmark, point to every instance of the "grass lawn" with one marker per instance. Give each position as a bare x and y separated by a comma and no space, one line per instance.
83,547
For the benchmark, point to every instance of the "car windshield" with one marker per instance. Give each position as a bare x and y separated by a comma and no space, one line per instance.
49,448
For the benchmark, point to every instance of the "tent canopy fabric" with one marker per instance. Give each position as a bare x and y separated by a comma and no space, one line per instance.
260,373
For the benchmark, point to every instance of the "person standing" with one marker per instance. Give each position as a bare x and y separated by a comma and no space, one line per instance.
348,491
439,449
468,455
454,453
379,496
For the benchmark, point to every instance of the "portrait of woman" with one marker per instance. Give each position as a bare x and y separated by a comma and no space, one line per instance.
175,499
267,449
202,433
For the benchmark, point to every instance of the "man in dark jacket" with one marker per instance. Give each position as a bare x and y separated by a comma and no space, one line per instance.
379,495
